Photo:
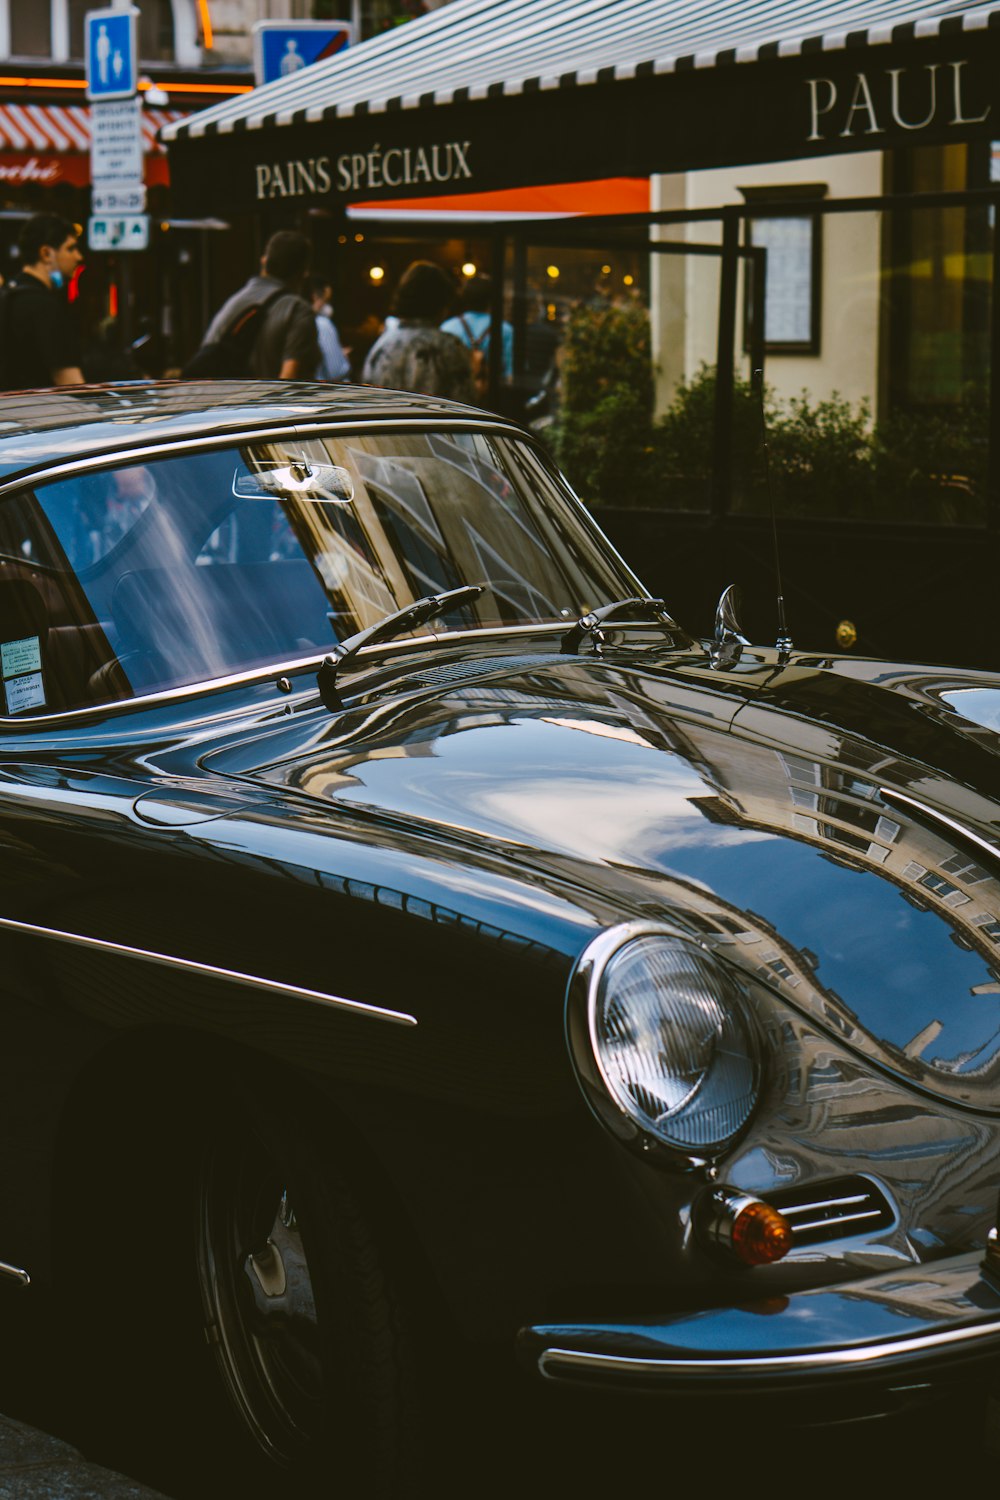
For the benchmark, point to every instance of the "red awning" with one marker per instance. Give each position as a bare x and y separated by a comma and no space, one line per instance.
611,195
49,143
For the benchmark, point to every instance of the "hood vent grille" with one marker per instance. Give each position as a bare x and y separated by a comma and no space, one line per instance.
833,1210
454,674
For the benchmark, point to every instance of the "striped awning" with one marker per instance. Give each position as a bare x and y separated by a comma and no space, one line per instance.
485,95
483,49
64,129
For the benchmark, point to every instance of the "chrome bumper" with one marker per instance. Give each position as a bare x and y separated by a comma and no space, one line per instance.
923,1322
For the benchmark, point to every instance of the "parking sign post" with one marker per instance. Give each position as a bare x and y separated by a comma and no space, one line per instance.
117,219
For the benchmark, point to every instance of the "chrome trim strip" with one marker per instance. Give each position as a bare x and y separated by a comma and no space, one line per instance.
261,674
211,971
553,1362
869,1213
15,1272
810,1208
910,804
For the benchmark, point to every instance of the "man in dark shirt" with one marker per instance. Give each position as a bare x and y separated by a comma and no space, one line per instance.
286,346
37,340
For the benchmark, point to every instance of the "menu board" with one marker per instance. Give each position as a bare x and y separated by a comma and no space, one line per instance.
788,285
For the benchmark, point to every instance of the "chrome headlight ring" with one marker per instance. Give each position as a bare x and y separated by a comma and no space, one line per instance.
664,1043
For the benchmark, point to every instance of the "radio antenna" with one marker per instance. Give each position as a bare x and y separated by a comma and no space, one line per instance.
784,641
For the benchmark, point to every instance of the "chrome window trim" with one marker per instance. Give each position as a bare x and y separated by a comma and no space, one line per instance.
555,1363
211,971
17,1273
172,447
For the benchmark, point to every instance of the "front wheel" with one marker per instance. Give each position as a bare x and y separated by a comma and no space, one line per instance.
298,1313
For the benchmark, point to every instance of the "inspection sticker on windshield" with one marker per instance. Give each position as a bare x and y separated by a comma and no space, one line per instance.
24,692
21,665
18,657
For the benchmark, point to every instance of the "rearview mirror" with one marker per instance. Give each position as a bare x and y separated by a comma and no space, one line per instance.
304,480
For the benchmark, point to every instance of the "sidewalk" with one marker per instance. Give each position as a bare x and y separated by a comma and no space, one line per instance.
36,1467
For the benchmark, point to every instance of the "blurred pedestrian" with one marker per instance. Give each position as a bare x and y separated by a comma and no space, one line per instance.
416,355
38,343
333,361
472,326
266,330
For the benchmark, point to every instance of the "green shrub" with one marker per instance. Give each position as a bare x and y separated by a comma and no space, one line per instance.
826,457
603,437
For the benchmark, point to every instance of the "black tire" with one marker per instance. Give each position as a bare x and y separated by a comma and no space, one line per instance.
298,1314
187,1364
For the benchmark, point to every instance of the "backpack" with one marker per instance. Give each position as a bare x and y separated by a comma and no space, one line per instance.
228,357
6,351
12,377
480,364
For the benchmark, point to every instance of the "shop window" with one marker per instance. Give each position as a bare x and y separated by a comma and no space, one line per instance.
938,262
793,276
76,10
30,28
156,28
377,16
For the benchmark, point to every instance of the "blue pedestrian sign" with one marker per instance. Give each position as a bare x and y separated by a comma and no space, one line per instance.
282,48
112,53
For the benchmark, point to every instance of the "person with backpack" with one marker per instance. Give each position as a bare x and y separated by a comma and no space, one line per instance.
414,354
38,344
266,330
472,326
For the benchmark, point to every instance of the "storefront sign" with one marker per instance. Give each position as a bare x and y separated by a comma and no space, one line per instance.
365,171
41,169
892,99
926,91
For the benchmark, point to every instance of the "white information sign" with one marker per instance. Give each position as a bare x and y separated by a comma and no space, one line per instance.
118,232
122,198
116,143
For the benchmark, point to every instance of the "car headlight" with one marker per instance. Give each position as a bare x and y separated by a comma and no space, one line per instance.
661,1033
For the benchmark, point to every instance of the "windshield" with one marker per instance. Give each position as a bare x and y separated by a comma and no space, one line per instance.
141,578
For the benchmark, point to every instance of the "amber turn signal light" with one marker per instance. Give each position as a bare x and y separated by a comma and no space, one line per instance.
743,1226
761,1235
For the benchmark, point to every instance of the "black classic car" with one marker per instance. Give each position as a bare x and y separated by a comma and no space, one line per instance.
423,962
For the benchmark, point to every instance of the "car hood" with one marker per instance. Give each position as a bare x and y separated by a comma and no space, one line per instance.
835,836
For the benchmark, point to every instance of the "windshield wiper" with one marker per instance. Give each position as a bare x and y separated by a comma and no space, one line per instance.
636,608
407,618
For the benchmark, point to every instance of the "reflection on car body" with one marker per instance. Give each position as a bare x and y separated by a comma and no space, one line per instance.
691,966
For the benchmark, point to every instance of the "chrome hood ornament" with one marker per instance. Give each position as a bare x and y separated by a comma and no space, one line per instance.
729,638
